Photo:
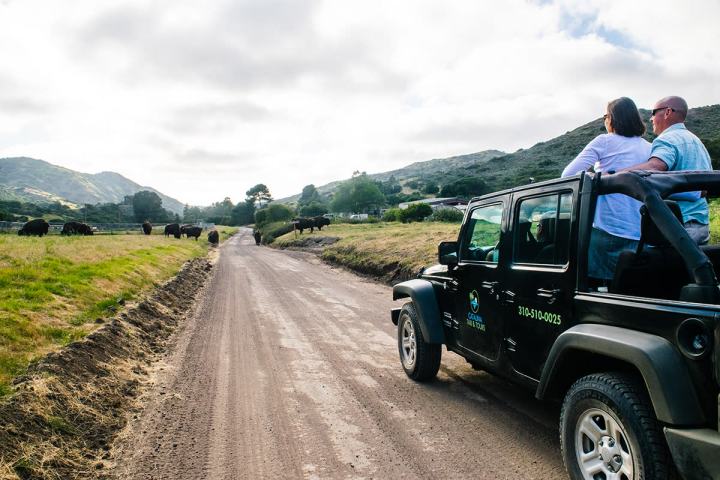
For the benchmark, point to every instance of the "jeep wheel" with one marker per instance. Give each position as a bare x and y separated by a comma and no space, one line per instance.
608,430
420,360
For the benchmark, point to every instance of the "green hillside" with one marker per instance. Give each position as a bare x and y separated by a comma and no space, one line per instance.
542,161
37,181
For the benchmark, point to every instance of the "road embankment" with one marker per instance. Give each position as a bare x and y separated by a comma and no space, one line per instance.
390,252
67,407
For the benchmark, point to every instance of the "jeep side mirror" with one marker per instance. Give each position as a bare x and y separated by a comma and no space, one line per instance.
447,253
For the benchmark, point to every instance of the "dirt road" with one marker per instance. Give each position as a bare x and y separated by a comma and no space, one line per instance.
290,370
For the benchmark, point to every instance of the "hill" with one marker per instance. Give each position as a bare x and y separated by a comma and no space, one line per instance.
37,181
543,161
415,171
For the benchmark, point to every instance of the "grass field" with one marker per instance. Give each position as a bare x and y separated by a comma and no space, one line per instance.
54,290
377,247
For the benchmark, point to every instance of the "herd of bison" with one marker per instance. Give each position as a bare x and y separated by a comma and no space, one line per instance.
40,227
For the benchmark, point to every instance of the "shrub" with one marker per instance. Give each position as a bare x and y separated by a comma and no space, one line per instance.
275,212
450,215
391,215
415,213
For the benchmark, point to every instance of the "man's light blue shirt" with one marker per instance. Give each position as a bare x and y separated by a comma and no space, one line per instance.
680,149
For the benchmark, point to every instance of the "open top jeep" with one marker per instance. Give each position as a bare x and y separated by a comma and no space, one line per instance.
636,362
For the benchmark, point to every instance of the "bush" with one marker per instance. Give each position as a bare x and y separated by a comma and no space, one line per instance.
391,215
415,213
450,215
275,212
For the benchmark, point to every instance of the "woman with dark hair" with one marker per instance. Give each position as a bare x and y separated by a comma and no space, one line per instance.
616,226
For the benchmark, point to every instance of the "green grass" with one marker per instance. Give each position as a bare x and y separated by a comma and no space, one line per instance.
53,289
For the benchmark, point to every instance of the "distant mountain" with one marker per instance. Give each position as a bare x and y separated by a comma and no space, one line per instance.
543,161
38,181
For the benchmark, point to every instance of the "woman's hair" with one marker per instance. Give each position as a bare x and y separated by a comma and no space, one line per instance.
625,118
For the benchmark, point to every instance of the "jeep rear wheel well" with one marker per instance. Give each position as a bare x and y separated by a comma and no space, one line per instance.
579,363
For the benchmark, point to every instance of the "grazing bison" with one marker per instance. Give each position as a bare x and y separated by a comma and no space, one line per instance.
303,223
321,222
213,237
191,231
172,229
37,227
147,227
76,228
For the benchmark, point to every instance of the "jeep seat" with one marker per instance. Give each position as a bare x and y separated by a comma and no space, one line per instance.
657,272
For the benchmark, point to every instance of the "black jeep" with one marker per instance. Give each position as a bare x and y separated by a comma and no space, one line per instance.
636,362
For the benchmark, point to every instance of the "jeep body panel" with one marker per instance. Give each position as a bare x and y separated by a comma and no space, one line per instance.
659,363
695,452
422,294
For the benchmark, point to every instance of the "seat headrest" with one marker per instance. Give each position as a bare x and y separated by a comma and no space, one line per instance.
650,233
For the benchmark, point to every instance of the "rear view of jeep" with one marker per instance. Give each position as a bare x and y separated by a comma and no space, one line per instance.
635,361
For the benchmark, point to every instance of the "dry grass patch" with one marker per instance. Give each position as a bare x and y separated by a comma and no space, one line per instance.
391,251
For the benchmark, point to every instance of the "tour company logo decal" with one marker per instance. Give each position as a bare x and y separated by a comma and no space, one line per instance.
473,319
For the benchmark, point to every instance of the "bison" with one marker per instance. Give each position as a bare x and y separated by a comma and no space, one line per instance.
76,228
213,237
321,221
37,227
303,223
257,236
147,227
172,229
191,231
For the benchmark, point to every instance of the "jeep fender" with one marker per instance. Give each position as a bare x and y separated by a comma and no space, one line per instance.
423,297
660,364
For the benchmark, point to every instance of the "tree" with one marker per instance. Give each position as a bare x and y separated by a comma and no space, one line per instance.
275,212
309,194
260,195
312,209
465,187
243,213
359,194
148,206
431,189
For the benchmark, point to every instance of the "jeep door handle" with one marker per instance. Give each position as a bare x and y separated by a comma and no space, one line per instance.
550,295
489,286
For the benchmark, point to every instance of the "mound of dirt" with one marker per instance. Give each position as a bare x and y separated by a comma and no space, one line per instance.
65,411
313,243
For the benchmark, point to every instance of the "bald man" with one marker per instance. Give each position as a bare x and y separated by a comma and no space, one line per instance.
674,149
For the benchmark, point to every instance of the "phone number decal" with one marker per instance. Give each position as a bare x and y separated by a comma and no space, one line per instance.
552,318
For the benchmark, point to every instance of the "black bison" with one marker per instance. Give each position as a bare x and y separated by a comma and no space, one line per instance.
76,228
147,227
191,231
321,222
303,223
172,229
37,227
257,236
213,237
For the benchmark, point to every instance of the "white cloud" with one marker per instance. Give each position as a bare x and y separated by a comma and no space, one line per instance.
204,101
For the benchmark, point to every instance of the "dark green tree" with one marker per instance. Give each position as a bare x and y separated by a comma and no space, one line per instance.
359,194
243,213
260,195
148,206
309,194
312,209
415,213
465,188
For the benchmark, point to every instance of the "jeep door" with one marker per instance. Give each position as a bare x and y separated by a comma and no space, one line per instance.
540,280
480,275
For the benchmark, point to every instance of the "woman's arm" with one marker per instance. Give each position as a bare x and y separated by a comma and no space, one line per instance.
585,159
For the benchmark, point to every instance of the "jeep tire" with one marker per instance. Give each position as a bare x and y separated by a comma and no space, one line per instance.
608,430
420,360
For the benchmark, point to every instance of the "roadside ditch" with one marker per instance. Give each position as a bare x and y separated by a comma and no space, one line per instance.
68,407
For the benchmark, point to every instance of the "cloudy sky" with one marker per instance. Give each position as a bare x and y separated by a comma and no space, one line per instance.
202,100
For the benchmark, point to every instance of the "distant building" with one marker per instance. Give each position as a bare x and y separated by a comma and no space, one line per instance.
435,203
